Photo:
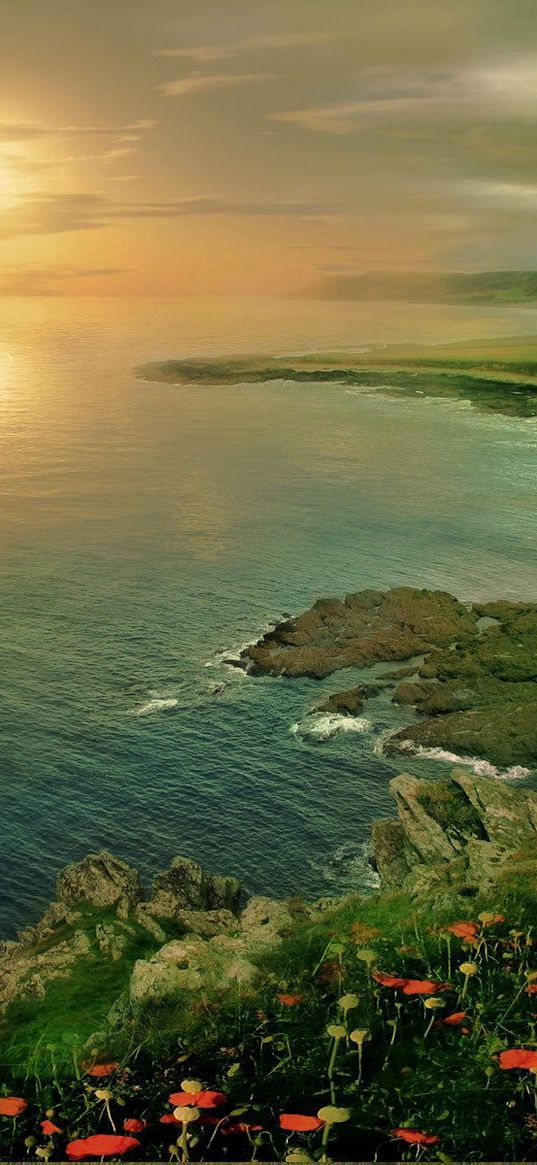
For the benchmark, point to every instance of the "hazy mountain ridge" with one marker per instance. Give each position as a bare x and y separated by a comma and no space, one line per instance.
478,287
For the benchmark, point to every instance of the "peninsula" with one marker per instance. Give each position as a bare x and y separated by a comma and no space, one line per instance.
494,375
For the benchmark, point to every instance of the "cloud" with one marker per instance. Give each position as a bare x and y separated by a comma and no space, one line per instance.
208,82
206,54
25,131
48,280
43,213
384,97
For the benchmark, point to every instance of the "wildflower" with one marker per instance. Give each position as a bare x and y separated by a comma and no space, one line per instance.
415,1137
12,1105
49,1129
531,989
423,987
469,969
186,1114
455,1019
433,1003
332,1115
133,1124
359,1035
488,918
348,1002
389,980
100,1145
336,1031
103,1069
104,1094
290,1000
518,1058
240,1127
295,1122
201,1099
466,930
168,1119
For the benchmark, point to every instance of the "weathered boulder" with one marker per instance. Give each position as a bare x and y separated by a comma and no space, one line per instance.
102,881
348,703
185,885
458,835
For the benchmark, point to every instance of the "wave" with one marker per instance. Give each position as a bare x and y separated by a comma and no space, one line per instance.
349,867
322,726
482,768
156,704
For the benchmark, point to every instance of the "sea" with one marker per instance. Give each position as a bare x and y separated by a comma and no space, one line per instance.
148,531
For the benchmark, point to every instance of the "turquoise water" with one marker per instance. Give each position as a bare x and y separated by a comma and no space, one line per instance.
147,529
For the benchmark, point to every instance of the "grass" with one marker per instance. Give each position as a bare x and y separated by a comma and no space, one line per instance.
337,1037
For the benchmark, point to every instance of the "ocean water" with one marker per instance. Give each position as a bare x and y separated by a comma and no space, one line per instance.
147,531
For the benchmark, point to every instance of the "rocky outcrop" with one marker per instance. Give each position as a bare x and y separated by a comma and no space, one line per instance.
456,836
473,684
361,630
99,913
186,886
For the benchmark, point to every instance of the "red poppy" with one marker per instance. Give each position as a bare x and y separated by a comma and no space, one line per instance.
518,1058
495,918
49,1128
531,989
290,1000
103,1069
101,1145
169,1119
133,1124
423,987
198,1099
12,1105
467,930
455,1019
389,980
240,1127
295,1122
414,1137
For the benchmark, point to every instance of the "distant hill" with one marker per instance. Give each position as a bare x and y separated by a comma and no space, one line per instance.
426,287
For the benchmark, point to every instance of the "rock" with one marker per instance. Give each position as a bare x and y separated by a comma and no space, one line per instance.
206,923
159,982
148,923
348,703
363,629
264,921
456,835
102,881
476,689
186,886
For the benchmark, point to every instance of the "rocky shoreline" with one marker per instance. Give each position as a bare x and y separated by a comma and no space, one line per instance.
452,840
470,670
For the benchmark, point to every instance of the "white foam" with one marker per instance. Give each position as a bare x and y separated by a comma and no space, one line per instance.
482,768
156,704
322,726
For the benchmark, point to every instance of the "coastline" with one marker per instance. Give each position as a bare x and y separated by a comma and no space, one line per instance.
497,376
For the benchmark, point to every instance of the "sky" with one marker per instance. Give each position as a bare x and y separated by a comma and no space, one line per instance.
162,147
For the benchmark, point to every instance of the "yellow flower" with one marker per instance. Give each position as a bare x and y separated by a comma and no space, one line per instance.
191,1086
336,1030
103,1094
359,1035
468,968
432,1003
347,1002
331,1115
186,1113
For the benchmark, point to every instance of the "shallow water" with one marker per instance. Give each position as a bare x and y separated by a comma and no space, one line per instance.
147,529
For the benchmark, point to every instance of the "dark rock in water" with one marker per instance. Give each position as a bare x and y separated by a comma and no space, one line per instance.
359,631
186,886
457,836
348,703
476,687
